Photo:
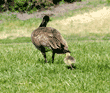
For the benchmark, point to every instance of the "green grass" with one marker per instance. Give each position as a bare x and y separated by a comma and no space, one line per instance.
17,40
23,69
71,37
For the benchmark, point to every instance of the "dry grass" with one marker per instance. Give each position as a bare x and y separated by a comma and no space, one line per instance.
15,33
95,21
92,22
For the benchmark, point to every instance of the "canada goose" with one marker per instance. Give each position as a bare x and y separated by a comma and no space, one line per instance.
47,38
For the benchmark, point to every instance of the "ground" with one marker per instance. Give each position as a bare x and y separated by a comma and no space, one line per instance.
87,32
55,10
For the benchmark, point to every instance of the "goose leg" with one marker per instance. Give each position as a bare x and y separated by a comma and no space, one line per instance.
44,54
53,57
42,49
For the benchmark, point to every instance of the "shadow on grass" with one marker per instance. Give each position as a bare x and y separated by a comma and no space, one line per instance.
68,67
103,67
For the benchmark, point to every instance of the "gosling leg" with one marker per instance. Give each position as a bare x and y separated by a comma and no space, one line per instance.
71,67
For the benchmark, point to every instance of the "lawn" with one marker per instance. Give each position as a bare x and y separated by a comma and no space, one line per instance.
23,69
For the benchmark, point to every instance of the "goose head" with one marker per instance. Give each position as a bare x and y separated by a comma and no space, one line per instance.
45,20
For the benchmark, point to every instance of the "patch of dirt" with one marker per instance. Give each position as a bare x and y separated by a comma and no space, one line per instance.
55,10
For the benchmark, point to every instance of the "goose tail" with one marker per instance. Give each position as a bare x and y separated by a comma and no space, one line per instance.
66,51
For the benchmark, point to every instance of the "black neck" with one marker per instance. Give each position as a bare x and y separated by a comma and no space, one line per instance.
43,24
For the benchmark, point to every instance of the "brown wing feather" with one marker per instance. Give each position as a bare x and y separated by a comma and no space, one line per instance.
48,37
60,39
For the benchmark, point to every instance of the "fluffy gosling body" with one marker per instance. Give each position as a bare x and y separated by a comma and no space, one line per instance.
69,60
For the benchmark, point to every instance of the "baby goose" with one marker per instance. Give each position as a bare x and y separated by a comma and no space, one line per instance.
69,60
47,38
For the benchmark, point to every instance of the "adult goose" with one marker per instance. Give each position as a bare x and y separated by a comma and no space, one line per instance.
47,38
